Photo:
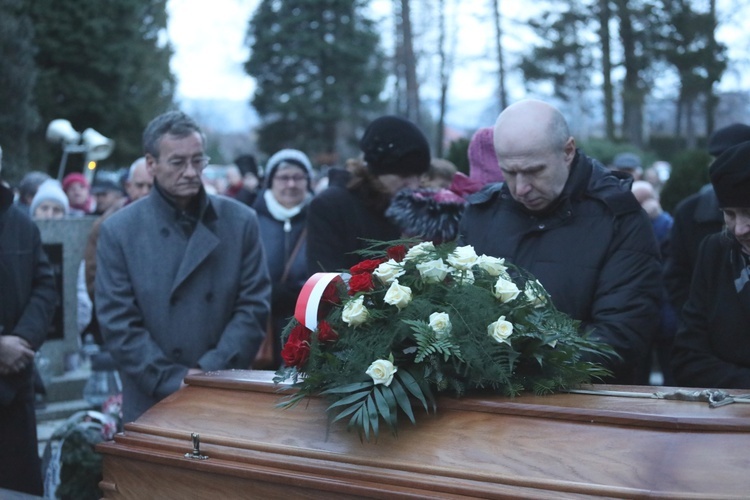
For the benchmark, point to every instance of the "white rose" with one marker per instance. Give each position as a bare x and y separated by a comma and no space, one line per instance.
355,313
382,371
420,250
398,295
500,330
534,294
440,323
505,290
388,271
463,257
492,265
433,271
463,277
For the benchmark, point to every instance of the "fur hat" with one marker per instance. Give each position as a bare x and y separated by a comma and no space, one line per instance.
393,145
483,165
294,156
49,190
730,176
429,214
726,137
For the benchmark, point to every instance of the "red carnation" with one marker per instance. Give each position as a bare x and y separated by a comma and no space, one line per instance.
297,347
326,333
366,266
396,252
360,283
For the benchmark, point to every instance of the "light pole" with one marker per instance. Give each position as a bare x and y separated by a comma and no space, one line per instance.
91,143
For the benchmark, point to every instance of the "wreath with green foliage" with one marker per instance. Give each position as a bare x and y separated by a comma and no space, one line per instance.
409,322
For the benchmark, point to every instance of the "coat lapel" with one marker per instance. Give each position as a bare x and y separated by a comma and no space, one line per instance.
200,245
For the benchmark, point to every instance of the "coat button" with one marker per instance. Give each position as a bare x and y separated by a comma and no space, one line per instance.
173,300
209,296
164,232
176,353
541,226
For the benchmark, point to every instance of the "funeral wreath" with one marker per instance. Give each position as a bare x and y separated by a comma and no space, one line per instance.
411,321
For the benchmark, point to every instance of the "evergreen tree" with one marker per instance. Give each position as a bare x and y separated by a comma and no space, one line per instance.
565,57
18,115
687,42
103,64
319,73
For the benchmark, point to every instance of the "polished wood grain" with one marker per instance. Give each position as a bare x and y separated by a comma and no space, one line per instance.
559,446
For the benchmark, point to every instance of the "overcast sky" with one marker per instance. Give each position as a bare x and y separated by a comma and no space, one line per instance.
208,38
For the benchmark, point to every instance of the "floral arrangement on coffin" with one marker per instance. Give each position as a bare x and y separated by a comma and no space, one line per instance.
407,323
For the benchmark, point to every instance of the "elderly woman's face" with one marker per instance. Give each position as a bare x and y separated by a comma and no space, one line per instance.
49,209
289,185
738,224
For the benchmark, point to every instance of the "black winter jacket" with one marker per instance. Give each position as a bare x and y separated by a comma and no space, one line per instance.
712,346
594,251
279,243
338,224
28,295
695,217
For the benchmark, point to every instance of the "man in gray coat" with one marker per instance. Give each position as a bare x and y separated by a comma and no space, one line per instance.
181,283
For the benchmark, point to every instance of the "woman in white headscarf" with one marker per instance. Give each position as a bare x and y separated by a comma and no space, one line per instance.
282,213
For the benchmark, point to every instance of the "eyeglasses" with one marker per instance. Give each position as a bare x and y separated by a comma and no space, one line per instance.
286,178
180,163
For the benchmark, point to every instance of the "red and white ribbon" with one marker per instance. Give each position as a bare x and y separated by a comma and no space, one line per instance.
308,301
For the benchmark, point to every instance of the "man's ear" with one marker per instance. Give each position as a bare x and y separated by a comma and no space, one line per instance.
569,150
150,164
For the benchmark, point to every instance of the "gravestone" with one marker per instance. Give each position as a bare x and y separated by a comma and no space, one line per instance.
64,241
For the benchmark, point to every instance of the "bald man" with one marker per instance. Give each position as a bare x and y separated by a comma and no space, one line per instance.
576,226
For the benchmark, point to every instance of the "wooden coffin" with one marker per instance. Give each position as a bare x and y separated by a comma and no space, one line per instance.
559,446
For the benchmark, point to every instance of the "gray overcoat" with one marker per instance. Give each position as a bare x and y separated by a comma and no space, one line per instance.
167,302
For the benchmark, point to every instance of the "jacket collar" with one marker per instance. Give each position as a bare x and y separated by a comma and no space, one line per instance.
201,207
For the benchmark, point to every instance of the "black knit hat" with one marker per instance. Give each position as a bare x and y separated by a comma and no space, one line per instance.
730,176
393,145
726,137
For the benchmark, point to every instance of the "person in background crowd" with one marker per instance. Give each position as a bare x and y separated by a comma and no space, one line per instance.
234,181
181,280
440,175
49,202
661,222
107,194
77,189
696,217
576,227
248,190
352,208
712,347
483,167
629,163
138,184
28,187
27,302
282,215
139,180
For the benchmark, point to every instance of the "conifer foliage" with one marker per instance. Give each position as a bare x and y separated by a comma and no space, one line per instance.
319,72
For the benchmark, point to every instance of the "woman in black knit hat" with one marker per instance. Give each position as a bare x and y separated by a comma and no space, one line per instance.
352,209
712,347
